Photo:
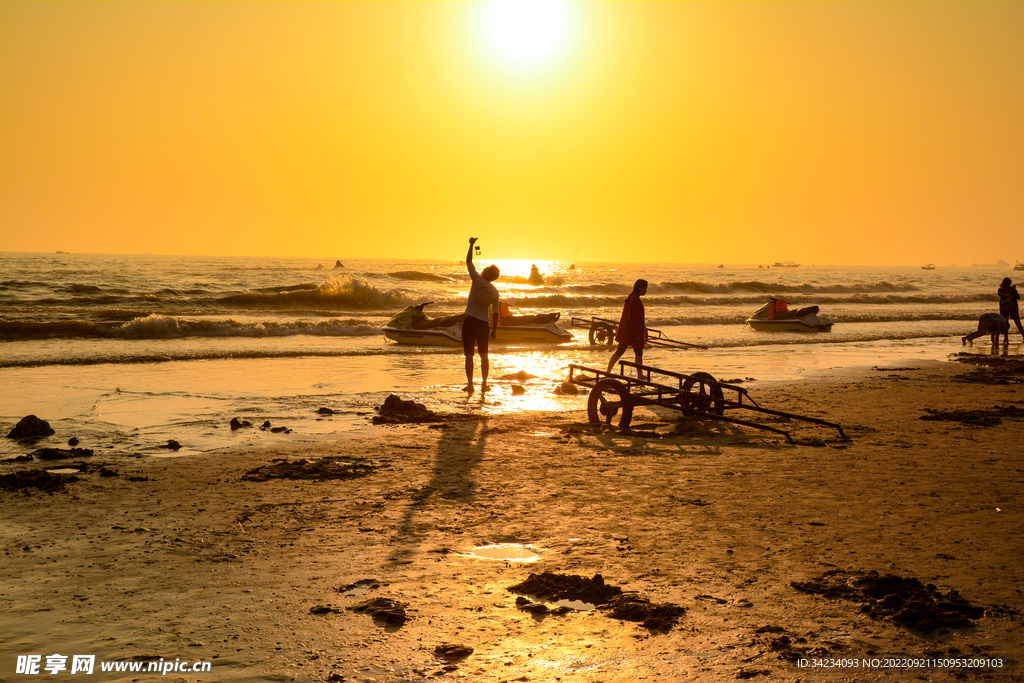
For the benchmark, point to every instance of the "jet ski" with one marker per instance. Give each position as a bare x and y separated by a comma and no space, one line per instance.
775,316
413,326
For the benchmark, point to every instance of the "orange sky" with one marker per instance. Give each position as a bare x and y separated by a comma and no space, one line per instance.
740,132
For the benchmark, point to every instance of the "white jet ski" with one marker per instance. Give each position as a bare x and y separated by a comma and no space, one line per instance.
775,316
413,326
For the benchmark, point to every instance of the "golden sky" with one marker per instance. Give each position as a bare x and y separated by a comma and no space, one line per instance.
872,132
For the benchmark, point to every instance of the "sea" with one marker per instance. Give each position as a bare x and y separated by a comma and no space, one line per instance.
129,352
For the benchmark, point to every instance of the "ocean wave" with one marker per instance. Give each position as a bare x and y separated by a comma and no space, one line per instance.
157,326
334,294
775,287
143,358
418,276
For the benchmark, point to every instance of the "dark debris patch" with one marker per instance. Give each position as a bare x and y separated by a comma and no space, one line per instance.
35,479
322,469
396,410
991,369
984,417
551,586
654,616
61,453
906,601
625,606
383,610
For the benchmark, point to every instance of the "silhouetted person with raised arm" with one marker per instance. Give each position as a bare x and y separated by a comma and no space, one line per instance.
483,297
632,330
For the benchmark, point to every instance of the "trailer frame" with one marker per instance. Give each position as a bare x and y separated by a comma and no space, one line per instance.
695,395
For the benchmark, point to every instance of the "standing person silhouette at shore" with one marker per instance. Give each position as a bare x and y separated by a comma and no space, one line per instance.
483,297
1008,306
632,329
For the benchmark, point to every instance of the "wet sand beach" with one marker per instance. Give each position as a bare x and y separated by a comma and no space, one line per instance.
901,543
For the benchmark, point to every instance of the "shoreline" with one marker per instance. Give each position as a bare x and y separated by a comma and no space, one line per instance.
184,558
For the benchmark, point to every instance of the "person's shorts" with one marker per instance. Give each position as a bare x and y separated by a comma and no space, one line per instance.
475,331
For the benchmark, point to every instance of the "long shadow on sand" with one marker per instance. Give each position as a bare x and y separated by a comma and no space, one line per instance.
459,452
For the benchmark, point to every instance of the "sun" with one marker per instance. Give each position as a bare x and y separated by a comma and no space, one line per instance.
526,33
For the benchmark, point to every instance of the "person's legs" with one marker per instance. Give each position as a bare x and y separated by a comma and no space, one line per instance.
616,356
1015,317
638,351
485,363
468,340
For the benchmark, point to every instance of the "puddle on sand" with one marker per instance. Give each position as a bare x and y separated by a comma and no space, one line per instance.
507,552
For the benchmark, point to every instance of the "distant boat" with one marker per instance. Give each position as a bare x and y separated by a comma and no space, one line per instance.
928,266
1019,266
786,264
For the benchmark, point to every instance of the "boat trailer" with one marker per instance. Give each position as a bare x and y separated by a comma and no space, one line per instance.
602,333
615,395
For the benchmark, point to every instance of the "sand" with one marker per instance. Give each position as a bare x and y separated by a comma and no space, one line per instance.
216,558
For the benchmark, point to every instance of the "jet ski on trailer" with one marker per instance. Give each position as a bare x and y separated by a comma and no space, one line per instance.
775,316
412,326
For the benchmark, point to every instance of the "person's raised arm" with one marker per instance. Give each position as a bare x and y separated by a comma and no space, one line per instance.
469,254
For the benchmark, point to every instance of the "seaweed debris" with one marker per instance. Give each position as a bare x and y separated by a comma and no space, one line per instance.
322,469
906,601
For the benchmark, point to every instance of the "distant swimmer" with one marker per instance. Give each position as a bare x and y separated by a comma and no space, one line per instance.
632,329
990,323
1008,306
535,277
483,297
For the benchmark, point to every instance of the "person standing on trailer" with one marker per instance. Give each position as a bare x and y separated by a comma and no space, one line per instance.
632,329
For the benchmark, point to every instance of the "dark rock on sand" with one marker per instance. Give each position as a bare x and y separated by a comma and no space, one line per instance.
30,427
567,388
324,609
326,411
61,453
73,441
396,410
450,652
239,424
265,425
518,390
383,609
172,445
337,264
551,586
651,615
319,470
35,479
906,601
522,376
279,430
609,598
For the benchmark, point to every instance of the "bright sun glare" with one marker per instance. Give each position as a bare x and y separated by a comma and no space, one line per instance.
526,33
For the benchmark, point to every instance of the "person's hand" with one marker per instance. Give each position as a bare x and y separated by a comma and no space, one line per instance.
472,241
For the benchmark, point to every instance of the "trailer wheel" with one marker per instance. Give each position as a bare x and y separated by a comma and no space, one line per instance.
602,334
609,398
707,397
